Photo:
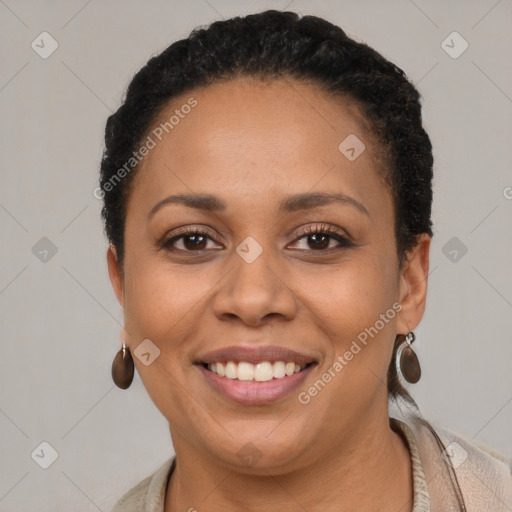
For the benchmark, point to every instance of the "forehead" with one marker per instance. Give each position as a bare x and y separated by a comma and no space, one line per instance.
250,138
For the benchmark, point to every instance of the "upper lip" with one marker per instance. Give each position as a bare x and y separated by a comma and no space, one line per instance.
255,355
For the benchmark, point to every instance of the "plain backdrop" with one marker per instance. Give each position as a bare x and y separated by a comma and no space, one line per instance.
60,320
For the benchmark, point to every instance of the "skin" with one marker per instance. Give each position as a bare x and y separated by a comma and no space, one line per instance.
253,144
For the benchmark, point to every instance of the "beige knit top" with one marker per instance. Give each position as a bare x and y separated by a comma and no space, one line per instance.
149,495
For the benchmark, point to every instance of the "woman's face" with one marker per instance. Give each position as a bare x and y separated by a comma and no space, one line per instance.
256,283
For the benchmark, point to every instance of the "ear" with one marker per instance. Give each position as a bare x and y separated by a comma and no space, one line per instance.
413,286
115,273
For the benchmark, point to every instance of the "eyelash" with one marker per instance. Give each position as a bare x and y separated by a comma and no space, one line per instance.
322,229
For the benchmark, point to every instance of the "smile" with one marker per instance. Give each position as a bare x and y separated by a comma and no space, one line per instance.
260,372
255,374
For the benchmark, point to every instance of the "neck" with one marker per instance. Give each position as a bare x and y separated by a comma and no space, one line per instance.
370,471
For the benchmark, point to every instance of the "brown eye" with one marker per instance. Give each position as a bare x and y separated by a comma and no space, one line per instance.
319,238
194,242
190,240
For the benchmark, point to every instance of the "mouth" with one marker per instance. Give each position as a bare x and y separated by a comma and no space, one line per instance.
255,375
263,371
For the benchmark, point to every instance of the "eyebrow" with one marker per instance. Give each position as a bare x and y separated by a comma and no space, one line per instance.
306,201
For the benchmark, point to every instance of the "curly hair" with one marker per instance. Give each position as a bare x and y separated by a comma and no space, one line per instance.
272,45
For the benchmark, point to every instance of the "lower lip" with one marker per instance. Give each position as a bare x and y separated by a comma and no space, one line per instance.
253,392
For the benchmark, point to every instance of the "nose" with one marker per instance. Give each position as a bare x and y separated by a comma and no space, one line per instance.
255,291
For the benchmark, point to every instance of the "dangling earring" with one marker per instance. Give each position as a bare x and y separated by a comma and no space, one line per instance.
122,366
409,363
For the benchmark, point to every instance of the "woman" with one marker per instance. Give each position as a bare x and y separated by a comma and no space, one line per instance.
267,190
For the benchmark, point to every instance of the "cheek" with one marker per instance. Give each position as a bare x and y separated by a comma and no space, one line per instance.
353,295
163,304
358,303
356,307
161,297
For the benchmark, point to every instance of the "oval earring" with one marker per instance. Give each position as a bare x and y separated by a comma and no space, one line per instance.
123,367
409,363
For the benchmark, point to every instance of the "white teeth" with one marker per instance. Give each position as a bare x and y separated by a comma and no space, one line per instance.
290,368
261,372
220,369
279,371
231,370
245,371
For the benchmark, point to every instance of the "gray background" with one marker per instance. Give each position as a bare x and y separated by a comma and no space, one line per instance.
60,319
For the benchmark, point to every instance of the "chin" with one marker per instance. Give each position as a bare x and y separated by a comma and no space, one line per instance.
253,453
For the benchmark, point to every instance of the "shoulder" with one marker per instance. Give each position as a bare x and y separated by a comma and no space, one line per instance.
477,459
461,450
149,494
483,475
474,447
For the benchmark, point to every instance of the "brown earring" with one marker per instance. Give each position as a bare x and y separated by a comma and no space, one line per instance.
409,362
123,367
